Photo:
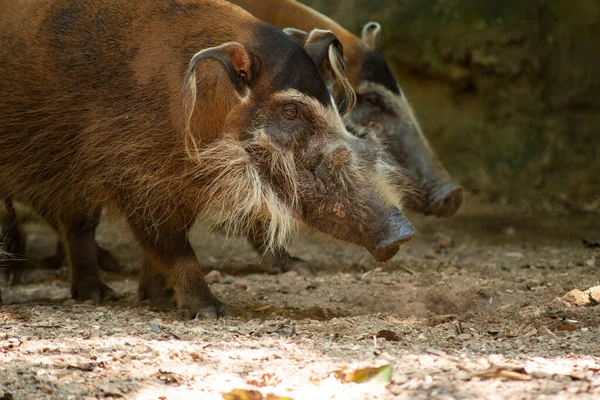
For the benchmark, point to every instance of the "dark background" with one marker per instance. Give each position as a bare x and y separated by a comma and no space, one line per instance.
507,91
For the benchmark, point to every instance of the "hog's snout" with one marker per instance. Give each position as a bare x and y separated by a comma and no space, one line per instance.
396,231
447,200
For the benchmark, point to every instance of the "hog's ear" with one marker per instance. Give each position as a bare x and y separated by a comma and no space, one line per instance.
371,35
317,44
234,58
296,34
236,61
323,46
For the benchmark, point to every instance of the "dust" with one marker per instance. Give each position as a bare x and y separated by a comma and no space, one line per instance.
473,307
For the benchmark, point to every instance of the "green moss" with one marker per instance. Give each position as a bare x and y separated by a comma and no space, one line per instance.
530,112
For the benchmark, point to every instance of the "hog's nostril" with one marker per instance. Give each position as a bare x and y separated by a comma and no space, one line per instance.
388,247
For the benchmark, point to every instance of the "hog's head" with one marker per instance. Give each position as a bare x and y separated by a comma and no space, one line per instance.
382,110
285,154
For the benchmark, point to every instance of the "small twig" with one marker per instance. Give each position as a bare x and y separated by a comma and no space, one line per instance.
171,333
44,326
406,269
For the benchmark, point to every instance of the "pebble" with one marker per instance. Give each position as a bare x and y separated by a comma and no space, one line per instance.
464,336
444,241
514,254
213,277
290,274
426,361
463,375
437,352
577,298
70,302
594,294
590,263
430,254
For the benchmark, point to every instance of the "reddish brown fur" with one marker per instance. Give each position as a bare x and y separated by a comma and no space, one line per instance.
108,150
93,115
426,183
293,14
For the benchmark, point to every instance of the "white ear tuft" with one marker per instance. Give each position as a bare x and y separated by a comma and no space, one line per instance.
371,35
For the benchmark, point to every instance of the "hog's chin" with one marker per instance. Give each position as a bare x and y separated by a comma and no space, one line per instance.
386,253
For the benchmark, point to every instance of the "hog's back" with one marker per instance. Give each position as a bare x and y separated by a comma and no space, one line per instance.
90,94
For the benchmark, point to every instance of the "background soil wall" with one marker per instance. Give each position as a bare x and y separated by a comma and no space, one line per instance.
507,91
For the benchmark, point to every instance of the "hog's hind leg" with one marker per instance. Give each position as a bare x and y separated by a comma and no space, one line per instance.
12,241
106,260
82,254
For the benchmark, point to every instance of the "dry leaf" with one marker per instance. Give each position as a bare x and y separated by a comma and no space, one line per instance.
362,375
265,307
243,394
568,325
168,377
505,373
383,334
284,328
388,335
531,332
110,389
83,366
262,379
275,397
510,332
590,244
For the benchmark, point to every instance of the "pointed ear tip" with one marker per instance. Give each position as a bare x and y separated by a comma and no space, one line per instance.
320,33
294,31
372,27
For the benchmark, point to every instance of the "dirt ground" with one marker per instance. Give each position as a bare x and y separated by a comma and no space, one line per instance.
472,308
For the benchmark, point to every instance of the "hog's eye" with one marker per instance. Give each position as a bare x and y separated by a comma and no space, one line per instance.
361,134
373,99
290,111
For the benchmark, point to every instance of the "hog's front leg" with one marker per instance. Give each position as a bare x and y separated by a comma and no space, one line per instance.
278,260
170,268
152,286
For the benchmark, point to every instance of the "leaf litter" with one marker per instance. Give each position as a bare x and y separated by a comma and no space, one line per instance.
342,334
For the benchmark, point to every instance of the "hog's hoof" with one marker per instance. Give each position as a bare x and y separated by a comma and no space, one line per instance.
154,289
107,262
280,265
300,266
213,309
53,262
159,299
93,290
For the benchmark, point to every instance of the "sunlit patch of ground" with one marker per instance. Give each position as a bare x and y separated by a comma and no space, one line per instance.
472,308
